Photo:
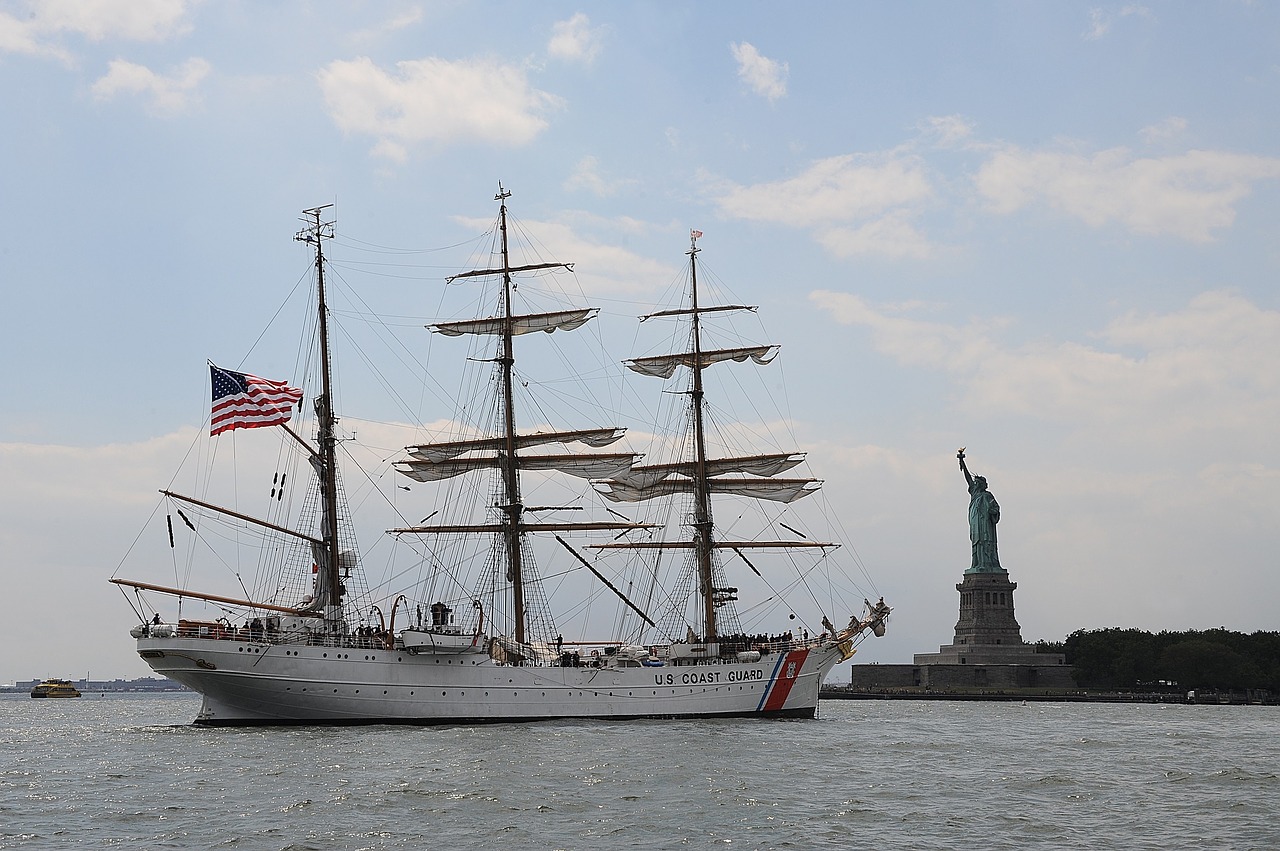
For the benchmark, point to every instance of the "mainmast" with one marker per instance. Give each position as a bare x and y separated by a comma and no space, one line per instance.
330,589
503,452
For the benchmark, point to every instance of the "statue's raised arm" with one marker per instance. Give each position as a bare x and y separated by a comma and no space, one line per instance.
968,478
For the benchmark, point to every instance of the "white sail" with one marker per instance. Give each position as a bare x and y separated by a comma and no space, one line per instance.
776,490
664,366
582,466
562,320
593,437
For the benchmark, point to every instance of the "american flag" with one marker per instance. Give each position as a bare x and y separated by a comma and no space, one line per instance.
696,234
241,400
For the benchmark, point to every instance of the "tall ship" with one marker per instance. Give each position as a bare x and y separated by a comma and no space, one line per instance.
476,628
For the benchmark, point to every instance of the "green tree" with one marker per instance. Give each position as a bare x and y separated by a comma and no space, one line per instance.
1198,663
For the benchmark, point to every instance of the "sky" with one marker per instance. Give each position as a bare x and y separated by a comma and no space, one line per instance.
1045,232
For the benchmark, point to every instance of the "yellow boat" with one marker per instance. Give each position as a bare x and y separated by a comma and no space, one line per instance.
55,688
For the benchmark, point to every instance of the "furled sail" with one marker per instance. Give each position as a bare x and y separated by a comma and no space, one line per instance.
561,320
593,437
755,465
582,466
664,366
776,490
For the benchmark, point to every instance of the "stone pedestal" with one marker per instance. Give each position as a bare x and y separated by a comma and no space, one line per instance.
987,632
987,650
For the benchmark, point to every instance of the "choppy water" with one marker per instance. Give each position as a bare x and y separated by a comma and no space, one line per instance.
129,771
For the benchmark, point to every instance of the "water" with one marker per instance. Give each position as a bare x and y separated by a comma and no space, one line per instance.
129,771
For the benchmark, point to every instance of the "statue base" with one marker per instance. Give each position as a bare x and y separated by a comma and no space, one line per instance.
987,632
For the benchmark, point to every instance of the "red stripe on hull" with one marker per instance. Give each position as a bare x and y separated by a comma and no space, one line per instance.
788,673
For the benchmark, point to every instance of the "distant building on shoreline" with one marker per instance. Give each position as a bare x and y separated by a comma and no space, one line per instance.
142,684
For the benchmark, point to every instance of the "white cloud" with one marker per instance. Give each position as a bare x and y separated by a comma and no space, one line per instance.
586,176
947,130
843,188
854,203
25,37
766,77
1099,24
168,94
1188,195
36,31
434,100
869,203
575,40
1100,20
1150,381
1164,131
408,18
98,20
891,235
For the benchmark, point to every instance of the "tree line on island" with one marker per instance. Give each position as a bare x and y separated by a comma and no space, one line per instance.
1129,659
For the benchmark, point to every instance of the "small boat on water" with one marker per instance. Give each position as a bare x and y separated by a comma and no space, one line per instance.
481,643
55,688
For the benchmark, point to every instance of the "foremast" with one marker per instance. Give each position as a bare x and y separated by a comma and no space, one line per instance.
703,475
433,462
329,587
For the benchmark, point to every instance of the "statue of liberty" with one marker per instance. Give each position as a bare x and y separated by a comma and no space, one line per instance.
984,514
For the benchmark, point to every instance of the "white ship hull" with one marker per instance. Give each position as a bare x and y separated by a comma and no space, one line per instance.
251,683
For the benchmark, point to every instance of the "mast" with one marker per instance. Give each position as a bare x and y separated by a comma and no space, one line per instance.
702,489
510,468
330,585
504,449
703,476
